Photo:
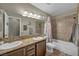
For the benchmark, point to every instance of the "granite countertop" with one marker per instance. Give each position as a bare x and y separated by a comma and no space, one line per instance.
25,42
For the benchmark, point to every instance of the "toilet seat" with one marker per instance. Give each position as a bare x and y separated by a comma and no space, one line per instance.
51,45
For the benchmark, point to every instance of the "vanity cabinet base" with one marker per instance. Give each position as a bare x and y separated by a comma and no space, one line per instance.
36,49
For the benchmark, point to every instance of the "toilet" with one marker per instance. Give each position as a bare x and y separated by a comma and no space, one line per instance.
49,47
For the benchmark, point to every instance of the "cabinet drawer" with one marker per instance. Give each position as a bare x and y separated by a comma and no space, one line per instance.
19,52
31,52
30,47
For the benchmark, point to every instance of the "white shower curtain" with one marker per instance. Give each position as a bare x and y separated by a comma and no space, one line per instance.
47,30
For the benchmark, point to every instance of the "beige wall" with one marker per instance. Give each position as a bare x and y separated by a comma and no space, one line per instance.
54,28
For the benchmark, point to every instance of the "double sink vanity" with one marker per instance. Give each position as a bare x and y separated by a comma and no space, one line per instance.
18,36
25,47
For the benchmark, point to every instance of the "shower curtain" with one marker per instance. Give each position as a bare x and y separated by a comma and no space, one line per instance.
47,30
48,34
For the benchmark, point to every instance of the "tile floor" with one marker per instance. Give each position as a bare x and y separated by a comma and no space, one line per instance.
56,53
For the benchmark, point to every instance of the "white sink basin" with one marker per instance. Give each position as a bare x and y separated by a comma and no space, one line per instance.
10,45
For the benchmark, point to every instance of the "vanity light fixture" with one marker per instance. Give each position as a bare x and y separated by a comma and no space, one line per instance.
35,16
25,13
30,15
38,17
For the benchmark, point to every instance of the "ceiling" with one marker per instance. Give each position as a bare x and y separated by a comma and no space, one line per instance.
55,9
17,9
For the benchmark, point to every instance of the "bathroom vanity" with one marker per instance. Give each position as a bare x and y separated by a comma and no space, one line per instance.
29,47
12,27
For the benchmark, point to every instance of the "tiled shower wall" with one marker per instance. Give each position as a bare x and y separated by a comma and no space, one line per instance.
62,27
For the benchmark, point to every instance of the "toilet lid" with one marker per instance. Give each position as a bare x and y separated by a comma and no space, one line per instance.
50,45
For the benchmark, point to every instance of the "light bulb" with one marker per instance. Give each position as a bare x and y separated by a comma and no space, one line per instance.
25,13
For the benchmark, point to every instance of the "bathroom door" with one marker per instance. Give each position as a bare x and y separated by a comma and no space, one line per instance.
14,27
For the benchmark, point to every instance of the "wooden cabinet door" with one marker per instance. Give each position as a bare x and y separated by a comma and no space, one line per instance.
30,50
19,52
41,48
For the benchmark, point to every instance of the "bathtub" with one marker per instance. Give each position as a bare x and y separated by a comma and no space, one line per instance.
65,47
